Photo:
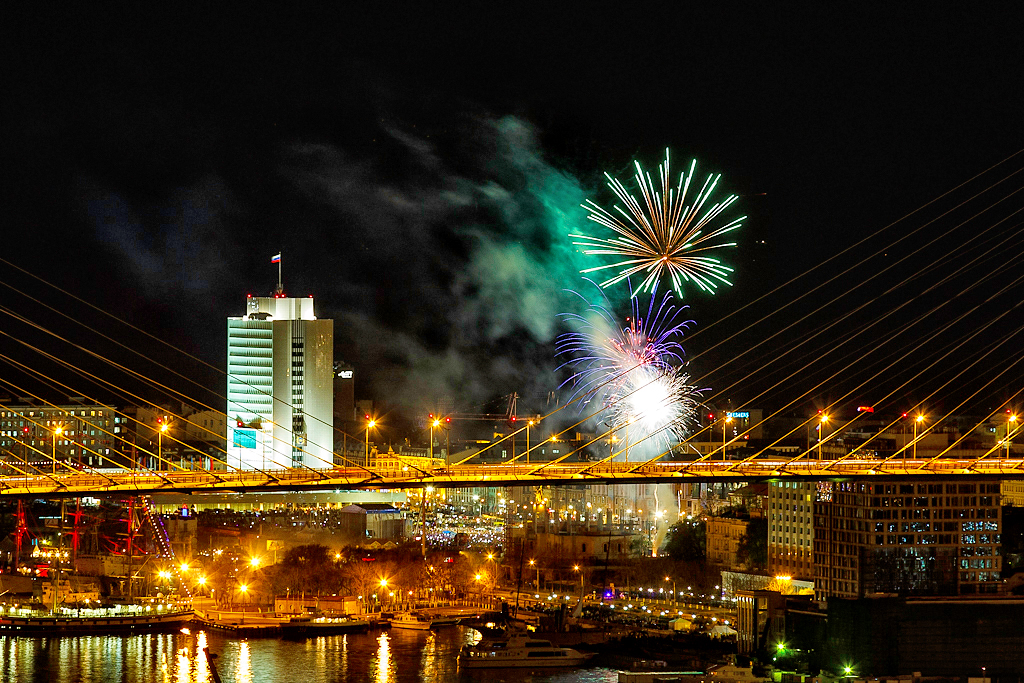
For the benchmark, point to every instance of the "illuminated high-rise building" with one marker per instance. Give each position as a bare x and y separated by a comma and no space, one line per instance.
280,390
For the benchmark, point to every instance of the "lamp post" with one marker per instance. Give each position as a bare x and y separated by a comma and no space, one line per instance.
917,420
160,445
667,579
370,424
57,431
821,433
243,589
1010,421
533,563
529,423
725,422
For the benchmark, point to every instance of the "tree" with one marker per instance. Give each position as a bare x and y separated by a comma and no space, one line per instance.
753,549
307,569
687,540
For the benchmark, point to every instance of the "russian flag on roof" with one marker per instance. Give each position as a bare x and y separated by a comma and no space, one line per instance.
276,258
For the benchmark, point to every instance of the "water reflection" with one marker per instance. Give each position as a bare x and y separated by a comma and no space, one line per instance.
383,659
202,667
243,674
396,657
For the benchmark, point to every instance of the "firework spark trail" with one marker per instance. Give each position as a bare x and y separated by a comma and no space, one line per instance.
662,235
646,392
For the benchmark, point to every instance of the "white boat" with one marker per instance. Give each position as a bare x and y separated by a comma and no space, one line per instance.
319,624
518,652
418,621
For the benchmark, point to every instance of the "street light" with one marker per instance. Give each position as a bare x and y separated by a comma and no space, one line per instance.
160,445
725,422
533,563
529,423
1009,423
243,589
674,599
821,433
370,424
917,420
57,431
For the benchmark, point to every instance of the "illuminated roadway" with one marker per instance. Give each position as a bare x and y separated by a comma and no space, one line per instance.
117,481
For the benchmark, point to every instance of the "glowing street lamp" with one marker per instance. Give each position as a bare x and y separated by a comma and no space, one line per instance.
917,420
725,423
254,562
160,445
533,563
529,423
1010,422
57,431
243,589
370,424
821,433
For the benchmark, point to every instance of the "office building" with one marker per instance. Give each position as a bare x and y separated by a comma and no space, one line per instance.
280,386
791,528
907,538
38,435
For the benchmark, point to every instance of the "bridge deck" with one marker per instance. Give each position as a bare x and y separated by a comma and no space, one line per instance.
102,482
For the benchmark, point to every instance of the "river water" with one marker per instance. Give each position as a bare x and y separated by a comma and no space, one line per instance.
377,657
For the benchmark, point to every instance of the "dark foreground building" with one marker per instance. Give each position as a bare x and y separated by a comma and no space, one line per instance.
952,637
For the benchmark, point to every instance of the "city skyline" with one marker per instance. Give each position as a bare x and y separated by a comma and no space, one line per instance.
435,229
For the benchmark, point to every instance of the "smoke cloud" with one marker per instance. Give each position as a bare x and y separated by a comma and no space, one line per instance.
452,261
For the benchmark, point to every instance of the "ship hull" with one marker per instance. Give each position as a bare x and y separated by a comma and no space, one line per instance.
46,625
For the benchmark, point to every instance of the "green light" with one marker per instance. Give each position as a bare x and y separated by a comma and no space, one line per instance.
847,670
781,646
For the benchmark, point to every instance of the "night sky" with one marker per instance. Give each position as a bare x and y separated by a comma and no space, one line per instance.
420,173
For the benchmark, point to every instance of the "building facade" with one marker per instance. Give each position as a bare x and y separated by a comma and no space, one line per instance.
791,528
724,535
280,386
928,538
41,436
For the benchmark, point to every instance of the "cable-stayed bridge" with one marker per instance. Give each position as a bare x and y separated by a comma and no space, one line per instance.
130,482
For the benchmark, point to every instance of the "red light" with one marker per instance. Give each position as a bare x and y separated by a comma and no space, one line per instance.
239,423
513,418
431,416
448,420
711,416
904,414
867,409
366,416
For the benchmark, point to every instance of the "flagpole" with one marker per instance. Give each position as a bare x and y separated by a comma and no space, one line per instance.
280,287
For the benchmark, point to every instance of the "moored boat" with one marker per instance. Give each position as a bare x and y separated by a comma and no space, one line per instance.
419,621
519,651
97,622
320,625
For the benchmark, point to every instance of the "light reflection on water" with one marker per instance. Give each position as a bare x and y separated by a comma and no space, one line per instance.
396,657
